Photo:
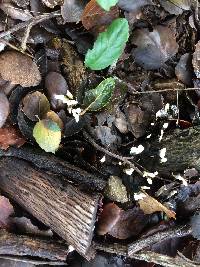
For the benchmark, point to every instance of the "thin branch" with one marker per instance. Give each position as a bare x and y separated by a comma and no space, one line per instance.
111,154
35,262
32,21
178,231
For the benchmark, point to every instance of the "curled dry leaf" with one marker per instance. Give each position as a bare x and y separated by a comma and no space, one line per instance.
9,136
130,223
4,108
183,69
72,10
19,69
150,205
196,60
55,85
153,48
108,218
35,105
6,209
15,13
96,17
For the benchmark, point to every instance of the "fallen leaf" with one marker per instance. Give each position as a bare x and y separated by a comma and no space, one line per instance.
133,5
54,117
150,205
196,60
108,217
98,98
19,69
72,10
195,223
175,7
15,13
109,45
6,209
183,69
47,134
52,3
130,223
35,105
107,4
9,136
154,48
4,108
107,137
95,17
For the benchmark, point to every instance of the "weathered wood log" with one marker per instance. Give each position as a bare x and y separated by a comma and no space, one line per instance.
66,210
182,152
20,245
51,163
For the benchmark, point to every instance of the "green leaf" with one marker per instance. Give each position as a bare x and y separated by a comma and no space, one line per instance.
107,4
108,46
99,97
47,134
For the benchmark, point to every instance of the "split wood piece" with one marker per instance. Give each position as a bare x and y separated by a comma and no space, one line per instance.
19,245
164,260
182,152
66,210
51,163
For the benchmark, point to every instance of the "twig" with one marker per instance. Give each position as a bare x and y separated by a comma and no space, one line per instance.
164,260
32,21
25,37
35,262
134,92
111,154
178,231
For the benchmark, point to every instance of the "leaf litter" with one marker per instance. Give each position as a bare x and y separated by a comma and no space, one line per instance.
116,72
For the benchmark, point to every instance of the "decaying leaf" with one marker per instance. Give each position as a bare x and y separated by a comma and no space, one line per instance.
35,105
4,108
15,13
154,48
195,223
55,84
108,218
107,137
47,134
54,117
6,209
183,69
115,190
9,136
72,10
19,69
196,60
132,5
95,17
130,223
98,98
175,7
109,45
52,3
150,205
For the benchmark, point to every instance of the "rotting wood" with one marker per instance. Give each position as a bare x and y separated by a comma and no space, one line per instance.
51,163
21,245
66,210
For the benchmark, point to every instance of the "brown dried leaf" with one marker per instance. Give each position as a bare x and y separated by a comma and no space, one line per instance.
15,13
10,136
130,223
95,17
19,69
150,205
72,10
6,209
54,117
108,218
4,108
196,60
154,48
